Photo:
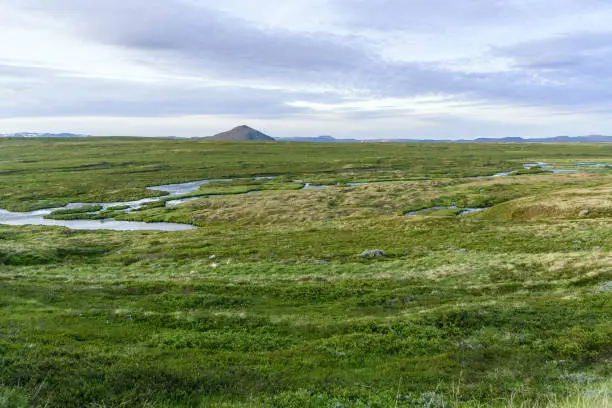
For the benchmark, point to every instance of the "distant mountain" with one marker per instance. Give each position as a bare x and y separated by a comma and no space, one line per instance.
500,140
33,135
556,139
573,139
317,139
241,133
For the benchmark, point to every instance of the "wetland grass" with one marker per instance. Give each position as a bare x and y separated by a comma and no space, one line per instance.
267,303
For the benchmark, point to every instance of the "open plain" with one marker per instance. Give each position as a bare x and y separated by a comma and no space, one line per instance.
267,302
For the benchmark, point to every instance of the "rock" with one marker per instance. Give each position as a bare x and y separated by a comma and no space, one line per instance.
605,287
373,253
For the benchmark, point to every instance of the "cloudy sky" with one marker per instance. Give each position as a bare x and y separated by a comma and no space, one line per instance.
348,68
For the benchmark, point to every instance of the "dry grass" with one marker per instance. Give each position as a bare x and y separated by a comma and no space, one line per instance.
394,198
599,396
571,203
281,207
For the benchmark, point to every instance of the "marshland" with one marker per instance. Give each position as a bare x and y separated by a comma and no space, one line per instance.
266,301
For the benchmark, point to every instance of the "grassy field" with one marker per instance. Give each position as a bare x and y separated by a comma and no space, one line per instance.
267,303
43,173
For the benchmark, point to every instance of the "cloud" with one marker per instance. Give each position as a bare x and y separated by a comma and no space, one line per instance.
197,59
179,36
180,33
580,52
182,37
570,70
185,36
442,15
43,92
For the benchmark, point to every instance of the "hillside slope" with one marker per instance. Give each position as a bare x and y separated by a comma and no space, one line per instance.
242,132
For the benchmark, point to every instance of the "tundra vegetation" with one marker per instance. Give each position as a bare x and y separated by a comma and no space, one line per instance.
269,303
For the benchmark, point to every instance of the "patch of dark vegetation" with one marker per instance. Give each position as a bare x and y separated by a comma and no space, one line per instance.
73,213
154,168
86,167
15,257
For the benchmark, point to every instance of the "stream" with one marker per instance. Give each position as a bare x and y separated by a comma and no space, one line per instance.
179,189
37,217
462,210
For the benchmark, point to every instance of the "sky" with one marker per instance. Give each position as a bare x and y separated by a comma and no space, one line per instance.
421,69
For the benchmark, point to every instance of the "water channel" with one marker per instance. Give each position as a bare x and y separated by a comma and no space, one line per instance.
180,189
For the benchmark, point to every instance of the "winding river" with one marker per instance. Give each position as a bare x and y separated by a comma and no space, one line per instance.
179,189
38,217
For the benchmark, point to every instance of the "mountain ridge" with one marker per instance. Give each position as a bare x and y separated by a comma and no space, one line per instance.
512,139
34,135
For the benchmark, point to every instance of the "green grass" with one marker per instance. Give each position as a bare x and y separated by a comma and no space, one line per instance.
267,303
230,187
119,169
73,213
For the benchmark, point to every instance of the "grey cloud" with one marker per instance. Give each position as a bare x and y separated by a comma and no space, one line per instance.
573,69
416,14
42,92
180,36
213,41
175,34
441,15
572,52
570,71
587,84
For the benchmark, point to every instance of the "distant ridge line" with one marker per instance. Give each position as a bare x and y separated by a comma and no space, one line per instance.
247,133
28,135
555,139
